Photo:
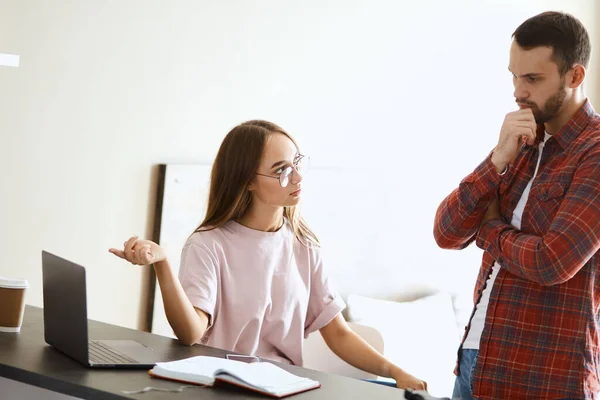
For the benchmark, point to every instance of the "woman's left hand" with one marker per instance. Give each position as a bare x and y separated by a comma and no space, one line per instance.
405,380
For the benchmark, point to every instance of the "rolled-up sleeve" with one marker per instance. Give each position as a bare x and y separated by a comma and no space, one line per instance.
324,302
198,277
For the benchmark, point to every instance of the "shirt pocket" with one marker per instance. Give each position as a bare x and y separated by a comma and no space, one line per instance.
550,191
547,198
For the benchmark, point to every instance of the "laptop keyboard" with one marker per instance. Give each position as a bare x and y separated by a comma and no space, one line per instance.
99,353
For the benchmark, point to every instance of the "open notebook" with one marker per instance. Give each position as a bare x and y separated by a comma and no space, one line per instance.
262,377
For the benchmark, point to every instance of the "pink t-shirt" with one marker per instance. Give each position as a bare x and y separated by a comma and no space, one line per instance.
265,291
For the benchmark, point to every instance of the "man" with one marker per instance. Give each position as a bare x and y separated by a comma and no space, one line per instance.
533,206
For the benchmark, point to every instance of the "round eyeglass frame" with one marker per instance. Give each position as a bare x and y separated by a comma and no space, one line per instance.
301,164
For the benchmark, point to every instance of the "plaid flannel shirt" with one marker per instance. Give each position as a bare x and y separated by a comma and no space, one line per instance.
540,338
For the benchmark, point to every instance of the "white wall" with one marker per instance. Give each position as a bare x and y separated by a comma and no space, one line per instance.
408,97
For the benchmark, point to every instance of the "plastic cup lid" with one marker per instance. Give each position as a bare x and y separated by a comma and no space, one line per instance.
13,283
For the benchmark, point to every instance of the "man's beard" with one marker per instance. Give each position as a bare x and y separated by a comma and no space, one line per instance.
551,107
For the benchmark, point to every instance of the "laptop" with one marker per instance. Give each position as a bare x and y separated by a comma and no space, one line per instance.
66,322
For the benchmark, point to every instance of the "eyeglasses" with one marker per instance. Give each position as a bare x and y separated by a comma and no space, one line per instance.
301,164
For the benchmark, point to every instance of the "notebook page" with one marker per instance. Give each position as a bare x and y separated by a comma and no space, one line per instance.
264,375
278,391
200,369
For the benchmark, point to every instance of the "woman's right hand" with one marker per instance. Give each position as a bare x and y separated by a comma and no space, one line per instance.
140,251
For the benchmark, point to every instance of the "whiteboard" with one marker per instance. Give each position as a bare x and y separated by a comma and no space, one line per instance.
184,198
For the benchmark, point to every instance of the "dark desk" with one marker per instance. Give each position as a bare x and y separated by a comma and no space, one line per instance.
25,357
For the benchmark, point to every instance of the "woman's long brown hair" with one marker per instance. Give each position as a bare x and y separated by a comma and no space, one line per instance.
234,168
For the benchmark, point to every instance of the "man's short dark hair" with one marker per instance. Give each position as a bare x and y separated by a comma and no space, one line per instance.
563,32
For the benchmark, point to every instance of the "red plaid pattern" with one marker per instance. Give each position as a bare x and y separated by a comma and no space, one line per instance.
540,339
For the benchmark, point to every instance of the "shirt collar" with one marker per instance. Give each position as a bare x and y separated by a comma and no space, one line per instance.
571,129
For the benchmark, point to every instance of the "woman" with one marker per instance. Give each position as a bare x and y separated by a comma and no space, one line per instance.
251,277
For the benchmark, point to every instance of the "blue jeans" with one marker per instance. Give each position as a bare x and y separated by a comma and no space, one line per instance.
463,386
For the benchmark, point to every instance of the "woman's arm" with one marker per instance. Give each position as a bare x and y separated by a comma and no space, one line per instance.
188,323
355,351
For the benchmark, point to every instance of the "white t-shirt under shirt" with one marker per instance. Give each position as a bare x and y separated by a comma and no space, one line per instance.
478,320
264,291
